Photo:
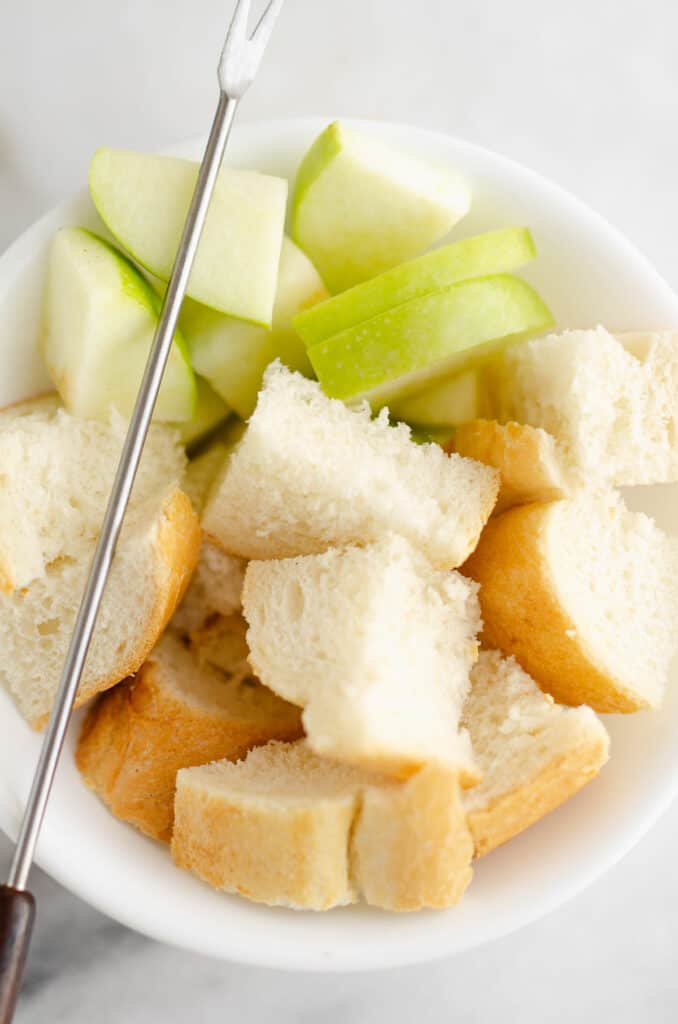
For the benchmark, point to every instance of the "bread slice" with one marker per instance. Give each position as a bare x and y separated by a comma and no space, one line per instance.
584,594
532,464
310,473
173,714
411,846
56,472
374,644
287,828
612,403
533,753
151,570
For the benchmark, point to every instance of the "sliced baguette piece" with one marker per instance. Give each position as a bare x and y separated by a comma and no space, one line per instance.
56,472
288,828
151,570
533,466
584,594
533,753
173,714
310,473
375,644
411,845
611,402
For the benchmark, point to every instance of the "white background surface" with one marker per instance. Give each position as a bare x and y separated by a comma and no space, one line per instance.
586,93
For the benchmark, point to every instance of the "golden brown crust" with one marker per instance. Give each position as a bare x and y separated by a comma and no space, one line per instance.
522,614
411,845
177,546
528,460
514,811
269,852
138,735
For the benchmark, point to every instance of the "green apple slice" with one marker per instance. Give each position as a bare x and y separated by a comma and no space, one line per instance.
360,207
496,252
100,316
210,411
143,200
233,355
453,401
422,341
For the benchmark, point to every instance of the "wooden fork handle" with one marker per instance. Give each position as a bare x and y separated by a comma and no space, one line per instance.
17,911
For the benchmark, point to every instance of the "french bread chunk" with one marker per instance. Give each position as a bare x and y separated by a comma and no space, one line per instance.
583,593
151,569
375,644
533,753
411,845
310,473
533,466
611,402
56,472
288,828
173,714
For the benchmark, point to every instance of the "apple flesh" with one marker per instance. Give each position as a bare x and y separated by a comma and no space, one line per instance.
143,200
496,252
210,412
453,401
233,355
360,208
427,339
100,315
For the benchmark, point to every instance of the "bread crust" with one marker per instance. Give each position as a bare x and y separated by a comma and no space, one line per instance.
177,546
514,811
138,735
523,616
404,846
412,847
528,459
294,857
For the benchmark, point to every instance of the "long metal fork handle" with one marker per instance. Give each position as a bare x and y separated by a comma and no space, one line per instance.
119,498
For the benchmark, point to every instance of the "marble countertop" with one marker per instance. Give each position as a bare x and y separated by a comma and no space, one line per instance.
586,93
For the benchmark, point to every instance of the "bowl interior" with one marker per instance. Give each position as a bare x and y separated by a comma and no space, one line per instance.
588,274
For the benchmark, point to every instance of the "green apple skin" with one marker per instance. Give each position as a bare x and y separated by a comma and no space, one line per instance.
360,208
143,200
210,412
453,401
99,319
422,341
233,355
496,252
431,435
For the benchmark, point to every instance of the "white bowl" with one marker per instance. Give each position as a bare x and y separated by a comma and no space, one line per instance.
588,274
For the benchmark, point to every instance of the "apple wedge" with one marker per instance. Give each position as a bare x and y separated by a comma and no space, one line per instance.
360,207
100,316
143,200
496,252
233,355
453,401
210,411
427,339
